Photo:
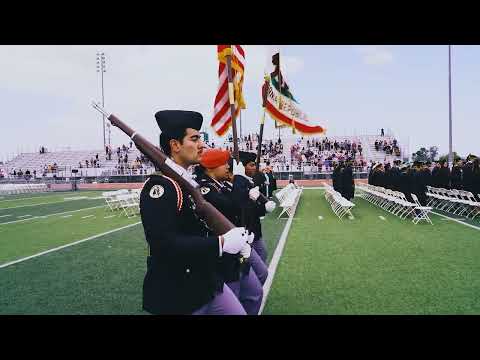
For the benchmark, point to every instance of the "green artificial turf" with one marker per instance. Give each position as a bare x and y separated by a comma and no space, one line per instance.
100,276
374,266
22,239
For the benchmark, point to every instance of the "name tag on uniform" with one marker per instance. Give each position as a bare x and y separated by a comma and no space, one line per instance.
204,190
156,191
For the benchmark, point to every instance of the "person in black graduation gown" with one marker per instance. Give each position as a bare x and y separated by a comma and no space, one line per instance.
337,177
443,176
476,178
420,179
395,176
467,179
456,176
435,175
348,184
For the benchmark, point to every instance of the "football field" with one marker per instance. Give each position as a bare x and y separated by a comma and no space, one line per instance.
67,253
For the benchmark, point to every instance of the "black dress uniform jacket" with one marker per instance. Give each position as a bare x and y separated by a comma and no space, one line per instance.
182,269
222,197
251,211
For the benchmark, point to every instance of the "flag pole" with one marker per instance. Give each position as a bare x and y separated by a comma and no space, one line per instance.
450,153
262,123
231,98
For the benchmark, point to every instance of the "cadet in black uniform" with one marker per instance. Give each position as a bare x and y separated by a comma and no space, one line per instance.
252,211
183,265
211,174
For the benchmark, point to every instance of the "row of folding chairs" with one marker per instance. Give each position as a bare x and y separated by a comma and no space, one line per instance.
396,203
13,189
340,206
127,201
288,198
457,202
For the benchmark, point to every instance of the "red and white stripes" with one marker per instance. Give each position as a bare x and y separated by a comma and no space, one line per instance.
222,118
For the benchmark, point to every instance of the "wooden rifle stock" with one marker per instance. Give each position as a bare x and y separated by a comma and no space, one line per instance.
214,219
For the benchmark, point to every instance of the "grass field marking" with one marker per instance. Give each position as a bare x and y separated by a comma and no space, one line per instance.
68,245
110,216
320,217
350,217
381,217
30,198
60,213
19,217
67,216
275,260
87,216
458,221
1,216
45,203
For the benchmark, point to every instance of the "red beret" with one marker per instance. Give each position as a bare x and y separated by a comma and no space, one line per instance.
213,158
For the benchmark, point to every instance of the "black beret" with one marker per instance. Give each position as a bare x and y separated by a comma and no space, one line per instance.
173,120
246,157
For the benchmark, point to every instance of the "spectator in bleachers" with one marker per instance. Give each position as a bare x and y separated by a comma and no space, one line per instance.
131,144
382,133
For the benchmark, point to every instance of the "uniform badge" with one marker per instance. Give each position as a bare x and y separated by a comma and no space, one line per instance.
156,191
204,190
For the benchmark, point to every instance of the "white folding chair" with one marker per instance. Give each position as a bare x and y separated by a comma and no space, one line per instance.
421,212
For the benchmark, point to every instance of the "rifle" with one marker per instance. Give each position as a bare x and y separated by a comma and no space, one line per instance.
214,219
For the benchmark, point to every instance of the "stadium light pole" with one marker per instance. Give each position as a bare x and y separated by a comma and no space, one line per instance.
101,68
450,153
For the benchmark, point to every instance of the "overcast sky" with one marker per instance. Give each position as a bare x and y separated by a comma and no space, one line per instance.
46,91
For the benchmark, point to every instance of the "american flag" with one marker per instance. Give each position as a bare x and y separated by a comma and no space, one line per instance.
222,117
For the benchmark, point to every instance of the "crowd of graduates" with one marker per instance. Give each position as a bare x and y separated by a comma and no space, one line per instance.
342,178
414,178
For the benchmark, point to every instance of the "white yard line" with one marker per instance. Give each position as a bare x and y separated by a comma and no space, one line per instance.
43,217
108,217
275,260
47,203
5,215
21,206
18,199
66,216
19,217
381,217
68,245
458,221
320,217
88,216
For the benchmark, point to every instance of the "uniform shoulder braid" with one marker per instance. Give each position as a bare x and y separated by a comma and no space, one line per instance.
161,187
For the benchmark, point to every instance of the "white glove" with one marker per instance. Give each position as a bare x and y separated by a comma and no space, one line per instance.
254,193
270,206
238,168
246,251
235,240
251,237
